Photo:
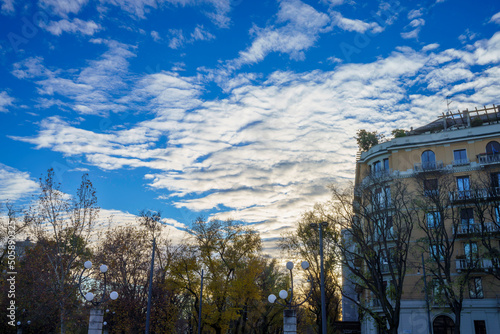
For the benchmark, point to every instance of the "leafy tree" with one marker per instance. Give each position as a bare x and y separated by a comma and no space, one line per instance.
367,139
397,133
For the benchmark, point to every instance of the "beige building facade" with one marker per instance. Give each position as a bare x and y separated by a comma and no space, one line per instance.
452,169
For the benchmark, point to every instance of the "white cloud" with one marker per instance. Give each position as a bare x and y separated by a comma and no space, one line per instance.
410,34
155,35
15,184
200,34
87,28
298,28
178,39
63,7
429,47
5,101
218,13
354,25
90,89
467,36
414,13
7,7
268,149
495,18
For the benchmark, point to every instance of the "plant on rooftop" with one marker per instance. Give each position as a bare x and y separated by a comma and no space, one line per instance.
398,133
367,139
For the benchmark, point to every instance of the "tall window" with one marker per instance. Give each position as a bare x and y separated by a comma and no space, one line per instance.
433,219
495,182
492,147
460,157
428,160
386,164
463,187
476,288
467,217
437,252
471,252
376,167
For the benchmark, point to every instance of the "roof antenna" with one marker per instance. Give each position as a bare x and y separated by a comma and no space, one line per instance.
448,102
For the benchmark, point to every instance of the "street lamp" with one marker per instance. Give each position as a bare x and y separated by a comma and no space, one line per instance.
290,313
96,314
322,283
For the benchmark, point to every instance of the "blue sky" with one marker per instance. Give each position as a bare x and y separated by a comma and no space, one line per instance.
236,109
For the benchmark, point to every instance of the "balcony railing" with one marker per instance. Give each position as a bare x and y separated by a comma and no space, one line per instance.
463,229
476,264
487,159
428,166
465,195
460,162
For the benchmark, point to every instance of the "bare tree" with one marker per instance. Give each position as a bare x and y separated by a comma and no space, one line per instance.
303,244
377,225
62,227
443,211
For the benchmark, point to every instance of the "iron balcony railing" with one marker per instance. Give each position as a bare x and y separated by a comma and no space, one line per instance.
428,166
464,195
460,162
476,228
477,264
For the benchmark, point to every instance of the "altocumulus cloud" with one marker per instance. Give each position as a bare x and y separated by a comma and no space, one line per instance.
269,149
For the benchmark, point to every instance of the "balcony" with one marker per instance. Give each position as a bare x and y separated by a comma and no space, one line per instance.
473,264
488,158
478,194
460,162
464,229
429,166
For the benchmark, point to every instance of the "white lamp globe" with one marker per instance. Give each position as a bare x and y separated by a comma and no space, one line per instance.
103,268
87,264
29,322
305,265
289,265
113,295
105,323
283,294
19,323
271,298
89,296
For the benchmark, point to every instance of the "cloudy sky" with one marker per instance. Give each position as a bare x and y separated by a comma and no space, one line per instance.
240,109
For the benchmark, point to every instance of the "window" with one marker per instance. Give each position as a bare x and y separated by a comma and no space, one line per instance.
495,182
437,289
492,147
437,252
476,288
376,167
479,327
433,219
467,217
428,160
470,249
431,187
460,157
497,213
463,187
386,164
382,197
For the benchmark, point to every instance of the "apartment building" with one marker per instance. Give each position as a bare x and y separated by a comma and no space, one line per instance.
443,181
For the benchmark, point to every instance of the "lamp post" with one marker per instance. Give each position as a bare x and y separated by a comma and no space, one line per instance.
322,276
290,313
96,314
